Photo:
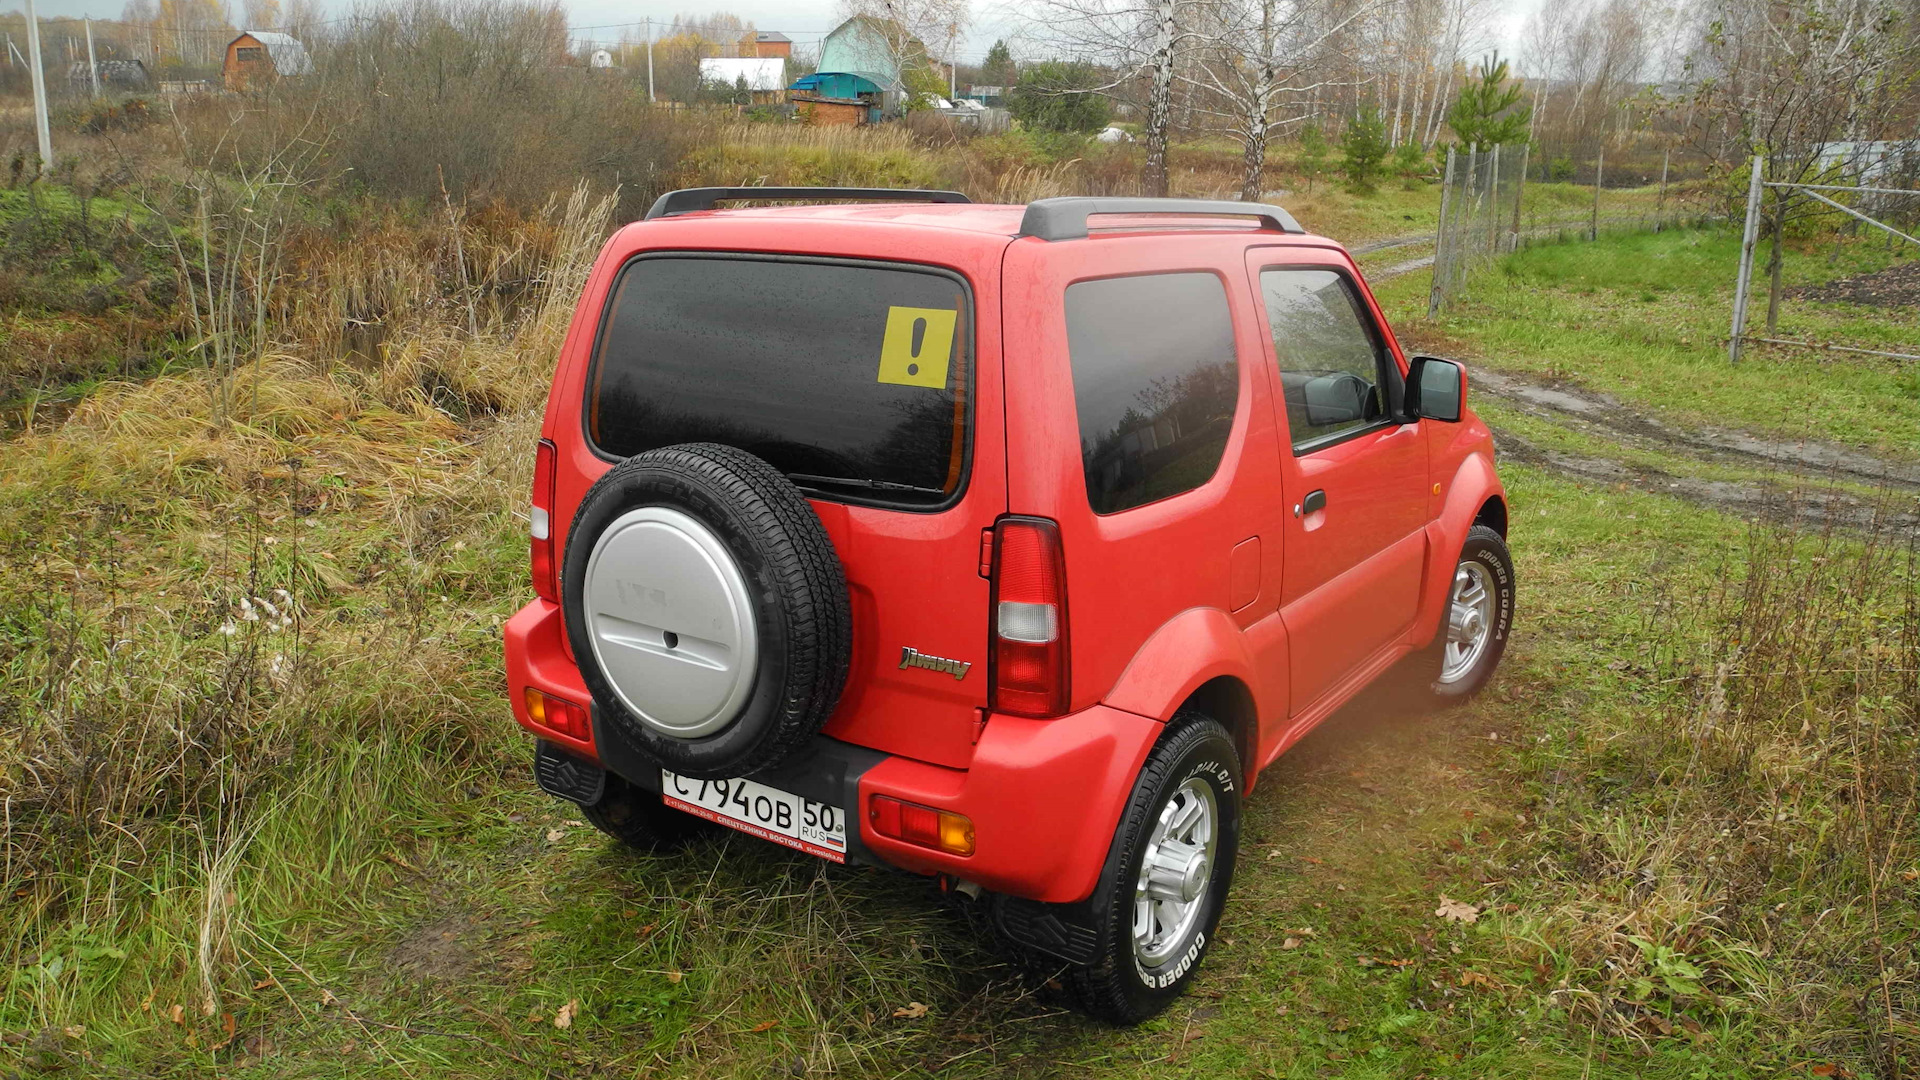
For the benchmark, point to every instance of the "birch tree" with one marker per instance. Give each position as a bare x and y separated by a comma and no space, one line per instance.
1255,60
1140,42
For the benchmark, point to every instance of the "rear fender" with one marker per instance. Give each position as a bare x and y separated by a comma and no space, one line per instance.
1190,650
1472,485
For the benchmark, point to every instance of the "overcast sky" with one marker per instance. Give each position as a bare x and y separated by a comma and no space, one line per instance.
806,21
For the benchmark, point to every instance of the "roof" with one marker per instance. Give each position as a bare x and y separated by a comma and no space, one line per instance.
995,219
288,55
860,47
760,72
770,35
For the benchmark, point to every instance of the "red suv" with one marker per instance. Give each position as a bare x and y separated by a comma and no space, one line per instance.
1003,544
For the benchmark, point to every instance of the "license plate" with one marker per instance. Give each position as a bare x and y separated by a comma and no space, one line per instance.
762,811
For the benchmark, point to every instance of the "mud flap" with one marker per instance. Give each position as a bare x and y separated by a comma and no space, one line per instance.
1062,930
564,776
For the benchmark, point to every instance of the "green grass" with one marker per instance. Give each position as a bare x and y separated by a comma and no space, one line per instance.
331,826
1645,317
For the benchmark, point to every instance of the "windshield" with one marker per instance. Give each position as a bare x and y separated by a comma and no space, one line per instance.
851,378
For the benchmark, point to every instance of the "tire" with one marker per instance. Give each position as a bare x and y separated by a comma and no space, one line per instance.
767,587
1132,980
1485,560
640,820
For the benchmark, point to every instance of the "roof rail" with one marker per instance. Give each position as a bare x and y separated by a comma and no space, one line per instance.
687,200
1066,218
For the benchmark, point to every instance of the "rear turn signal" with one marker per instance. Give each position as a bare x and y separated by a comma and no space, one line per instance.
941,830
1030,670
545,582
557,714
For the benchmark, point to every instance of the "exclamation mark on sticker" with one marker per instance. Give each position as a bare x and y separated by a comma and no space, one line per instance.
917,346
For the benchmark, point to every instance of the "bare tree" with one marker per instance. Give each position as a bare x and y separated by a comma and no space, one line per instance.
1253,56
1142,43
1786,79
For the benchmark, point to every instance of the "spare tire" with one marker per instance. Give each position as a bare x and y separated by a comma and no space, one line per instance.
707,609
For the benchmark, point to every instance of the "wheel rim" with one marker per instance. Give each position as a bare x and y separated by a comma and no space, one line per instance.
1176,872
1469,621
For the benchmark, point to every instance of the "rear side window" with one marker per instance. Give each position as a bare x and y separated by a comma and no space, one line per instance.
1330,360
850,378
1155,383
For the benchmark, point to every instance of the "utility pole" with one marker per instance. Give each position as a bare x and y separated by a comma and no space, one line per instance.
93,68
650,61
39,90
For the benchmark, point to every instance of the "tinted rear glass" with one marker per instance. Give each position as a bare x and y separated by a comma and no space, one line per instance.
1155,384
851,378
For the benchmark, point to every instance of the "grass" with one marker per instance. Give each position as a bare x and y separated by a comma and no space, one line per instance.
1644,317
301,839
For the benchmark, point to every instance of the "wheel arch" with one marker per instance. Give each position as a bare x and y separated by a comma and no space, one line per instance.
1474,497
1228,700
1199,659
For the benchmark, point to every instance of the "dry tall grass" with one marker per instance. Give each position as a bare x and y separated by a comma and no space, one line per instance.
1743,847
217,626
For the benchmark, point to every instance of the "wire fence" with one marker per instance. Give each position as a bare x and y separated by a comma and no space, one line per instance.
1495,201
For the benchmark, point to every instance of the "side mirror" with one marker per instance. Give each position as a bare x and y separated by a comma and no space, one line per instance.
1436,389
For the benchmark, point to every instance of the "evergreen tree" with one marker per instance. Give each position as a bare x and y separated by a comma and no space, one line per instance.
1053,96
1488,111
1409,161
998,70
1313,154
1364,148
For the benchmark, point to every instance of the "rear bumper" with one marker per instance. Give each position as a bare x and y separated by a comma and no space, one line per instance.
1044,796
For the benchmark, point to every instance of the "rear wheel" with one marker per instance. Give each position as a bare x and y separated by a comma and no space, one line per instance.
1166,878
640,820
1478,617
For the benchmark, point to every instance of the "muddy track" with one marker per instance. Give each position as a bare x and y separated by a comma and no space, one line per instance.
1572,406
1768,500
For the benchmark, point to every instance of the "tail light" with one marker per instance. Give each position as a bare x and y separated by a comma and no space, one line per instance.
545,581
942,830
557,714
1030,670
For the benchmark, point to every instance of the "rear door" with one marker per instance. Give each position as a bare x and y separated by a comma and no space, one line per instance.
1355,479
873,385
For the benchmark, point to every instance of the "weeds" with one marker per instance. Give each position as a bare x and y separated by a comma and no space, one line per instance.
1742,839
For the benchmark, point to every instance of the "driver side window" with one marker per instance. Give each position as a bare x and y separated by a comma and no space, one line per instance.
1330,362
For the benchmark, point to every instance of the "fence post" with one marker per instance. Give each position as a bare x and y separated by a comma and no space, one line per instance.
1471,207
1599,172
1519,191
1660,208
1440,239
1744,283
1493,201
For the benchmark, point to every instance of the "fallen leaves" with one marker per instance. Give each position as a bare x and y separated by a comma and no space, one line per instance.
765,1025
564,1018
912,1010
1457,911
1290,943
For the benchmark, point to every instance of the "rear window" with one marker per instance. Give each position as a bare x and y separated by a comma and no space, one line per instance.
1155,384
850,378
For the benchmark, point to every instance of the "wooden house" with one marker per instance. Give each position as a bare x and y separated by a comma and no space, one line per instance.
257,57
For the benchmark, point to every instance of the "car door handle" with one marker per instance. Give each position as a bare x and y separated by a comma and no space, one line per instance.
1315,500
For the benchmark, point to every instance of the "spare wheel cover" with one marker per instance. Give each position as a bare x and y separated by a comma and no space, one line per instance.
707,609
670,622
